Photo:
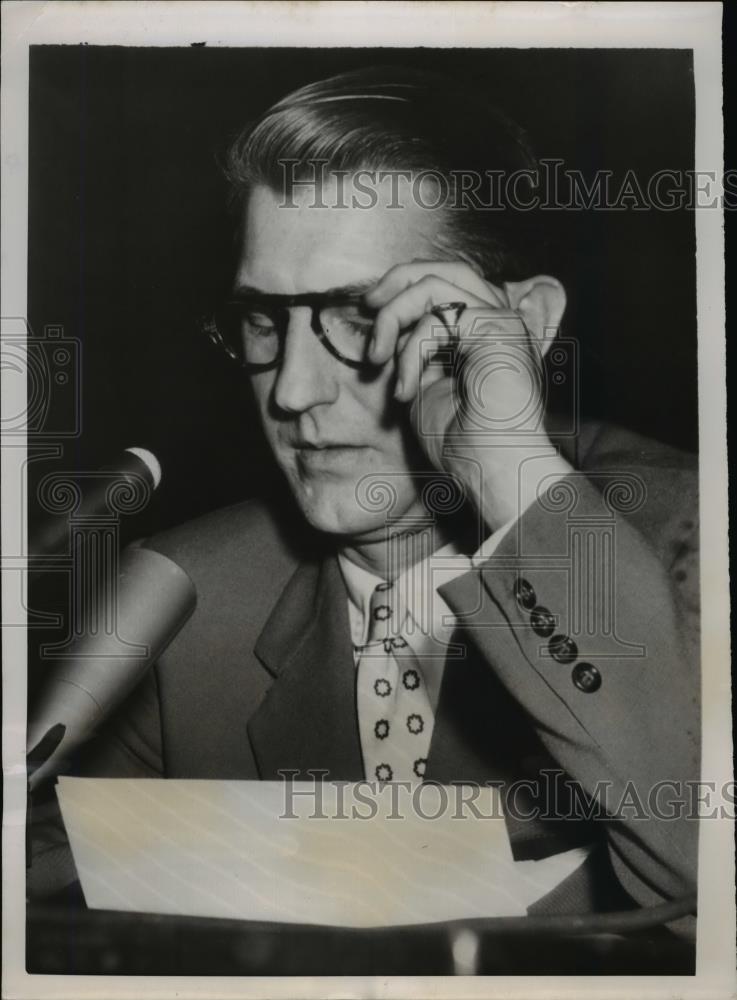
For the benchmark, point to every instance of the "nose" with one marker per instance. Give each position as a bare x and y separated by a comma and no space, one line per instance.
306,375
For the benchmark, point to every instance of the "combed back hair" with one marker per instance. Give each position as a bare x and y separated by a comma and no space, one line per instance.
382,119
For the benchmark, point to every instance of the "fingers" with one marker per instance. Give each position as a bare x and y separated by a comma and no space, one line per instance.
483,333
413,355
406,329
409,306
457,272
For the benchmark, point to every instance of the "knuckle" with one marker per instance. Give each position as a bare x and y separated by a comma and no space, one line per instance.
465,268
397,269
404,272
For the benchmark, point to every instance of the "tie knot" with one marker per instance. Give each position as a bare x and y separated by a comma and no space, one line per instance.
384,614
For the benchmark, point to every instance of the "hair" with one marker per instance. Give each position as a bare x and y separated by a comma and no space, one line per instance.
384,118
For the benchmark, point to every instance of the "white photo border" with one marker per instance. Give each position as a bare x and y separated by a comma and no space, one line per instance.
695,26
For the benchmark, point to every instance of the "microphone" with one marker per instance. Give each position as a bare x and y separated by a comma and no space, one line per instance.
50,536
155,597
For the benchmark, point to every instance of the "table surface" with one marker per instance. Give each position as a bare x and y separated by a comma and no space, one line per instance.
65,938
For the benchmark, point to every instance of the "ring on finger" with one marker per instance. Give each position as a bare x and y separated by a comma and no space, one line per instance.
449,313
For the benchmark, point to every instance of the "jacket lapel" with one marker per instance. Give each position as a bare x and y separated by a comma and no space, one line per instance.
307,722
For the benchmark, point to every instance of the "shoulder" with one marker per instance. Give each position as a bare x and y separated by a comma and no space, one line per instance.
600,441
659,484
246,549
667,474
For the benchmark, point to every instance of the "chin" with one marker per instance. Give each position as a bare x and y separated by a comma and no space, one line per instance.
335,509
336,518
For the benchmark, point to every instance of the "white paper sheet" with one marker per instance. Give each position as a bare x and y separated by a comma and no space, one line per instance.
351,858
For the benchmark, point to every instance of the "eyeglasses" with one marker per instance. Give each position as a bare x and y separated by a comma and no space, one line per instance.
252,328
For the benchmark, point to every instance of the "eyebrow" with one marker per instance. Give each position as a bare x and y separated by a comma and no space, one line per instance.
339,291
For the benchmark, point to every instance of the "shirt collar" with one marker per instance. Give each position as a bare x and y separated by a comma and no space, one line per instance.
411,588
360,585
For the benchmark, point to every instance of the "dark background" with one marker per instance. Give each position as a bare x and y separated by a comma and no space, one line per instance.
129,239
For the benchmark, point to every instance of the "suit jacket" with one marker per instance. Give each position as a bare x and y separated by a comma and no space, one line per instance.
261,678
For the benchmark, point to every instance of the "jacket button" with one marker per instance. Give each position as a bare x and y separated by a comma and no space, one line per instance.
586,677
525,594
563,649
542,621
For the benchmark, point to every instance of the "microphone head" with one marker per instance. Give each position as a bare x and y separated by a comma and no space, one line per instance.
150,461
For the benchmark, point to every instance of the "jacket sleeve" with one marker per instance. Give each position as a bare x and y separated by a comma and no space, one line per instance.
588,613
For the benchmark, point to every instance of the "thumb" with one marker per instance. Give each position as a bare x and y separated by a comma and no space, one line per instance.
432,411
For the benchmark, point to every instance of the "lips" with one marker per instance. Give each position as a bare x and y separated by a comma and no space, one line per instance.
325,457
324,445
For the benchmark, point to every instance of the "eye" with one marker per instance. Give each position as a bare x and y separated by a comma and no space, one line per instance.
360,329
351,319
258,326
259,321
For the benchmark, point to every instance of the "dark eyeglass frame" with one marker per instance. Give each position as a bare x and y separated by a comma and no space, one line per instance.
278,305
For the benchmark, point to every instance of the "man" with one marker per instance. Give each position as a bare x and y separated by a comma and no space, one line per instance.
458,593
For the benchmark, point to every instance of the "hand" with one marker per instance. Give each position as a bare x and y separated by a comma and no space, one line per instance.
482,422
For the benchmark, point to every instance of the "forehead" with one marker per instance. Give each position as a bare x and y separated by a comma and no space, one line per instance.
315,242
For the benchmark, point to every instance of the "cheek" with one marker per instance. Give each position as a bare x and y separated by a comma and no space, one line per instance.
374,405
261,390
261,387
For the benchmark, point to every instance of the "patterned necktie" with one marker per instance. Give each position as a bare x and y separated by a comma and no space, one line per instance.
395,718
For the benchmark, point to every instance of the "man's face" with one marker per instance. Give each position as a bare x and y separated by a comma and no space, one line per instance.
330,425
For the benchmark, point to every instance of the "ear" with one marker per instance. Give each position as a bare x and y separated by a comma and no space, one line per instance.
541,302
